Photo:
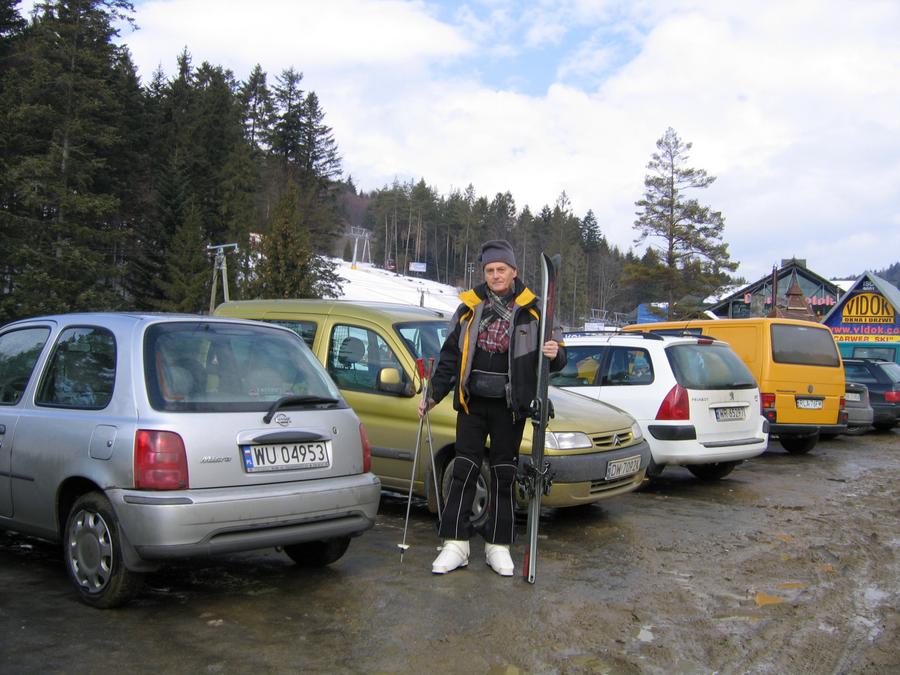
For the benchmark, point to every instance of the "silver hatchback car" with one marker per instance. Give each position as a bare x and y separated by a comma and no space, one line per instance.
135,439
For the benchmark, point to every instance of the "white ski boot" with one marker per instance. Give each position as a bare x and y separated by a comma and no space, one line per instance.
497,556
455,553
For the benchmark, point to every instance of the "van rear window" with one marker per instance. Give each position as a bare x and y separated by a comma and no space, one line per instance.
803,345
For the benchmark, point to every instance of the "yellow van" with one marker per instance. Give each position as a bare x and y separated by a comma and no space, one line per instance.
796,365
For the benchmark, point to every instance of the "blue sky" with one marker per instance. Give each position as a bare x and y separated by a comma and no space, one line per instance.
794,105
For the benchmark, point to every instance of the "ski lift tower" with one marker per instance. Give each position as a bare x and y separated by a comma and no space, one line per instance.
219,264
361,233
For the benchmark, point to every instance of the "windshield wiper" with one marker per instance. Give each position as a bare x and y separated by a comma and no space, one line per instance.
296,399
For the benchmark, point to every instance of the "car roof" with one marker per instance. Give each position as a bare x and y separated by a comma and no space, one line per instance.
361,309
119,318
604,337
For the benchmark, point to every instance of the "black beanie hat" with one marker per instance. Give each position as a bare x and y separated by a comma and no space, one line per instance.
497,250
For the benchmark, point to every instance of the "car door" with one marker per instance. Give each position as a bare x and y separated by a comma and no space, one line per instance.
358,354
628,379
19,352
68,421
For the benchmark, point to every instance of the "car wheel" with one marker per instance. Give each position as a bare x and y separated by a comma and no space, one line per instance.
93,553
856,431
318,553
882,426
712,471
479,504
798,445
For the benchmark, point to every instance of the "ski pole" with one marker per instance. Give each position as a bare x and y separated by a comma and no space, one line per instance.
420,366
434,473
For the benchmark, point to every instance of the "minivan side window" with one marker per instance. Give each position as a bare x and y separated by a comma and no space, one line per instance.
305,329
803,345
82,370
19,351
356,355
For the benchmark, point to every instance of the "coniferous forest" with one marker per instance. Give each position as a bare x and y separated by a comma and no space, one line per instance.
113,188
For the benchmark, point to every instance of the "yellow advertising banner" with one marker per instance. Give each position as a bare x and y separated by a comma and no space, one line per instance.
867,338
867,308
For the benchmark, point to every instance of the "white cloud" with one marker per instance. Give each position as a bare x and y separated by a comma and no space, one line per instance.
794,105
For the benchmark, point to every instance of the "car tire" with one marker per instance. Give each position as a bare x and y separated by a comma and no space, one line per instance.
856,431
318,553
92,549
712,471
882,426
479,505
798,445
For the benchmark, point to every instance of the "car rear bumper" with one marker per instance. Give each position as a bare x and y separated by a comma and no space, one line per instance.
165,525
860,417
806,429
581,479
678,444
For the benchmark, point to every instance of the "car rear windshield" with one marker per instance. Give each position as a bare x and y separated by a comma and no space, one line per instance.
803,345
892,370
423,339
219,367
709,366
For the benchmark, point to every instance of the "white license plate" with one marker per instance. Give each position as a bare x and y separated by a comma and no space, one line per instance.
727,414
853,396
284,456
809,403
619,468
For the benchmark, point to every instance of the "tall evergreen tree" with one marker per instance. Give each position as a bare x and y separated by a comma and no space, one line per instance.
690,234
187,274
65,128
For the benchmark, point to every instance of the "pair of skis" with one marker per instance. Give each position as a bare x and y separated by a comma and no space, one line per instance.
537,474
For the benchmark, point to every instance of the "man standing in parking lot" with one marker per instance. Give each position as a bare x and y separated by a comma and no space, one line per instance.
489,360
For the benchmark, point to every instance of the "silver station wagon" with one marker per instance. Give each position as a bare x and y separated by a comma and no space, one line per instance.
135,439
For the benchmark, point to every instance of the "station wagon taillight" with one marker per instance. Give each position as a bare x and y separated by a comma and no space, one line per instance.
892,396
367,451
675,405
160,461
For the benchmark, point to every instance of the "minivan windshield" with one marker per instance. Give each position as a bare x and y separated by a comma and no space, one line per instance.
423,339
216,366
709,366
803,345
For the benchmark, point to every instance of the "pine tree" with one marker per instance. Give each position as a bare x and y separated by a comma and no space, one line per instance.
186,280
691,234
65,128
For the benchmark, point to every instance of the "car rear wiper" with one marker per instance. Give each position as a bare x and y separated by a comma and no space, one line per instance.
296,399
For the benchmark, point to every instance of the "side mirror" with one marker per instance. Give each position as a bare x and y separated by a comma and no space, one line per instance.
390,381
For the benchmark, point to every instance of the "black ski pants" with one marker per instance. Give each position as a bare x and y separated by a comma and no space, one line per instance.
487,417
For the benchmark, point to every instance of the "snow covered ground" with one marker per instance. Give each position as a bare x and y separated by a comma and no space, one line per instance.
366,282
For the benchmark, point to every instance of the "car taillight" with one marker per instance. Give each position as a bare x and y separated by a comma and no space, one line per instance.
892,396
767,407
843,403
367,452
675,405
160,461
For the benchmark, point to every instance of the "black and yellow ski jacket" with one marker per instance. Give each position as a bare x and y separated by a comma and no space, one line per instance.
458,351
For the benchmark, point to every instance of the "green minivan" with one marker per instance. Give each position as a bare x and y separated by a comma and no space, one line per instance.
370,350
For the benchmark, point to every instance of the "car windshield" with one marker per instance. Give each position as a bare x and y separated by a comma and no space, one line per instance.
212,367
709,366
803,345
423,339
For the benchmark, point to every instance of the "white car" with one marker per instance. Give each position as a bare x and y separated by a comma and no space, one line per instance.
694,399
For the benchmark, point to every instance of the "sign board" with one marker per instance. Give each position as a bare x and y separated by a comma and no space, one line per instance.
417,267
867,308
